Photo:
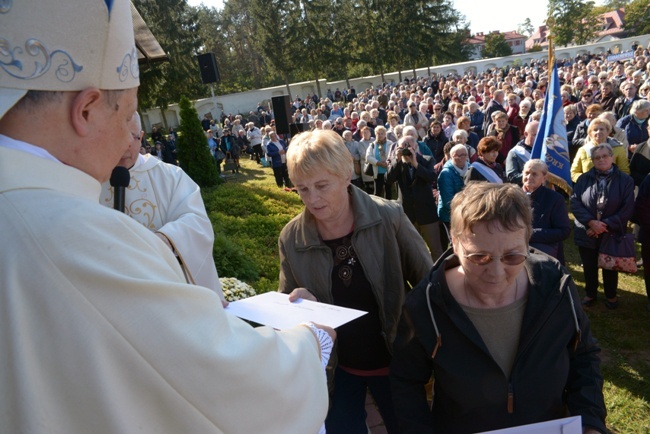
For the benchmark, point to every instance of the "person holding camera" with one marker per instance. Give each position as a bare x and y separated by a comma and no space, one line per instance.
415,176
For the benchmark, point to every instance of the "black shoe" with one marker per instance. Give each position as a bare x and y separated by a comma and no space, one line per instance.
588,302
611,305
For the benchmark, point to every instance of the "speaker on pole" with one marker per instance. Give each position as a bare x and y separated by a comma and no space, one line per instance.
209,70
282,112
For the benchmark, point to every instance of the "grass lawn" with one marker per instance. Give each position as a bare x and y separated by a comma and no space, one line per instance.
249,210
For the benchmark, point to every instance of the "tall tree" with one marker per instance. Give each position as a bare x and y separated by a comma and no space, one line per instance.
637,17
526,28
312,35
345,42
193,152
276,35
442,23
496,46
573,21
174,24
228,34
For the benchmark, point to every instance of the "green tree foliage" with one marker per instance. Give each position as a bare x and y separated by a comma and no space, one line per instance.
260,43
276,35
611,5
435,34
345,40
444,32
526,28
535,48
174,24
496,46
239,61
637,17
193,152
312,36
573,21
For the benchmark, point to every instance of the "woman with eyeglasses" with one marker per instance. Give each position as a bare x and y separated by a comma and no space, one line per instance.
602,201
498,326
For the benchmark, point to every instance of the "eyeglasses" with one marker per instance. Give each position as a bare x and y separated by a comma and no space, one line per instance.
485,258
587,95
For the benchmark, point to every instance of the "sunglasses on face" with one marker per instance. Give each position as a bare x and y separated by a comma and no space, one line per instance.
486,258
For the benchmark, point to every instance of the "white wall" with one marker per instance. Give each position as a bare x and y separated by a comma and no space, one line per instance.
245,102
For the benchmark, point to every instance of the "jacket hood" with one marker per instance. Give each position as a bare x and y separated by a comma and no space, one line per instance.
547,282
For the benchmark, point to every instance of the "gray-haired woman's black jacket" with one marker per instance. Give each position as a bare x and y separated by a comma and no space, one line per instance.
617,211
555,373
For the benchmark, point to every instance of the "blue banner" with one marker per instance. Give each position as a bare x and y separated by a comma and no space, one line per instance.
551,143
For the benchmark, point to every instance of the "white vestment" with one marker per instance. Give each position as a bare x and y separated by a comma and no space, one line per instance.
165,199
99,333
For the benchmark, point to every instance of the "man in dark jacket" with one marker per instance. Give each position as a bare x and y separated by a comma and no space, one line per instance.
436,140
623,104
414,175
607,96
495,105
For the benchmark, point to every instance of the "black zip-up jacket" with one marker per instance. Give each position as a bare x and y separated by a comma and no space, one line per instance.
556,372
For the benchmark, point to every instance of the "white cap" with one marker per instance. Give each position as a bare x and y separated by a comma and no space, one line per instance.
65,45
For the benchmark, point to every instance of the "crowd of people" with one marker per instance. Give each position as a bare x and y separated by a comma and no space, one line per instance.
482,127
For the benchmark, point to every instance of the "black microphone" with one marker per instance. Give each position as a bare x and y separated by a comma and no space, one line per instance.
120,179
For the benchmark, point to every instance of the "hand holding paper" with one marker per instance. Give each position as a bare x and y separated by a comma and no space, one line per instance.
275,310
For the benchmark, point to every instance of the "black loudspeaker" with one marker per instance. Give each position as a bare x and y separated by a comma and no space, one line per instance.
209,70
298,128
282,112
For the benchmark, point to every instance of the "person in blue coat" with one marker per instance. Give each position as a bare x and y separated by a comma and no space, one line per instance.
551,224
451,180
635,124
277,149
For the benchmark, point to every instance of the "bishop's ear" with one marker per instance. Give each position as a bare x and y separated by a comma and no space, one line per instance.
85,110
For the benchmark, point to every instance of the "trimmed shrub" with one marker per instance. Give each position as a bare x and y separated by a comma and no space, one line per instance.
193,151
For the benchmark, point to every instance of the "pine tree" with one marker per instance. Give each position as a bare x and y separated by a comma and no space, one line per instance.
193,152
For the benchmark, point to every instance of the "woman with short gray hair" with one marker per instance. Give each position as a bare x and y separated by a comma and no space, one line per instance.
635,125
601,203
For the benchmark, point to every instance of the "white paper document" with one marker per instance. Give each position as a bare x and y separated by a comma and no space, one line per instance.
275,310
569,425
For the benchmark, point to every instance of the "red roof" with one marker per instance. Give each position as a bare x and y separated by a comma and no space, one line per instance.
613,22
479,38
